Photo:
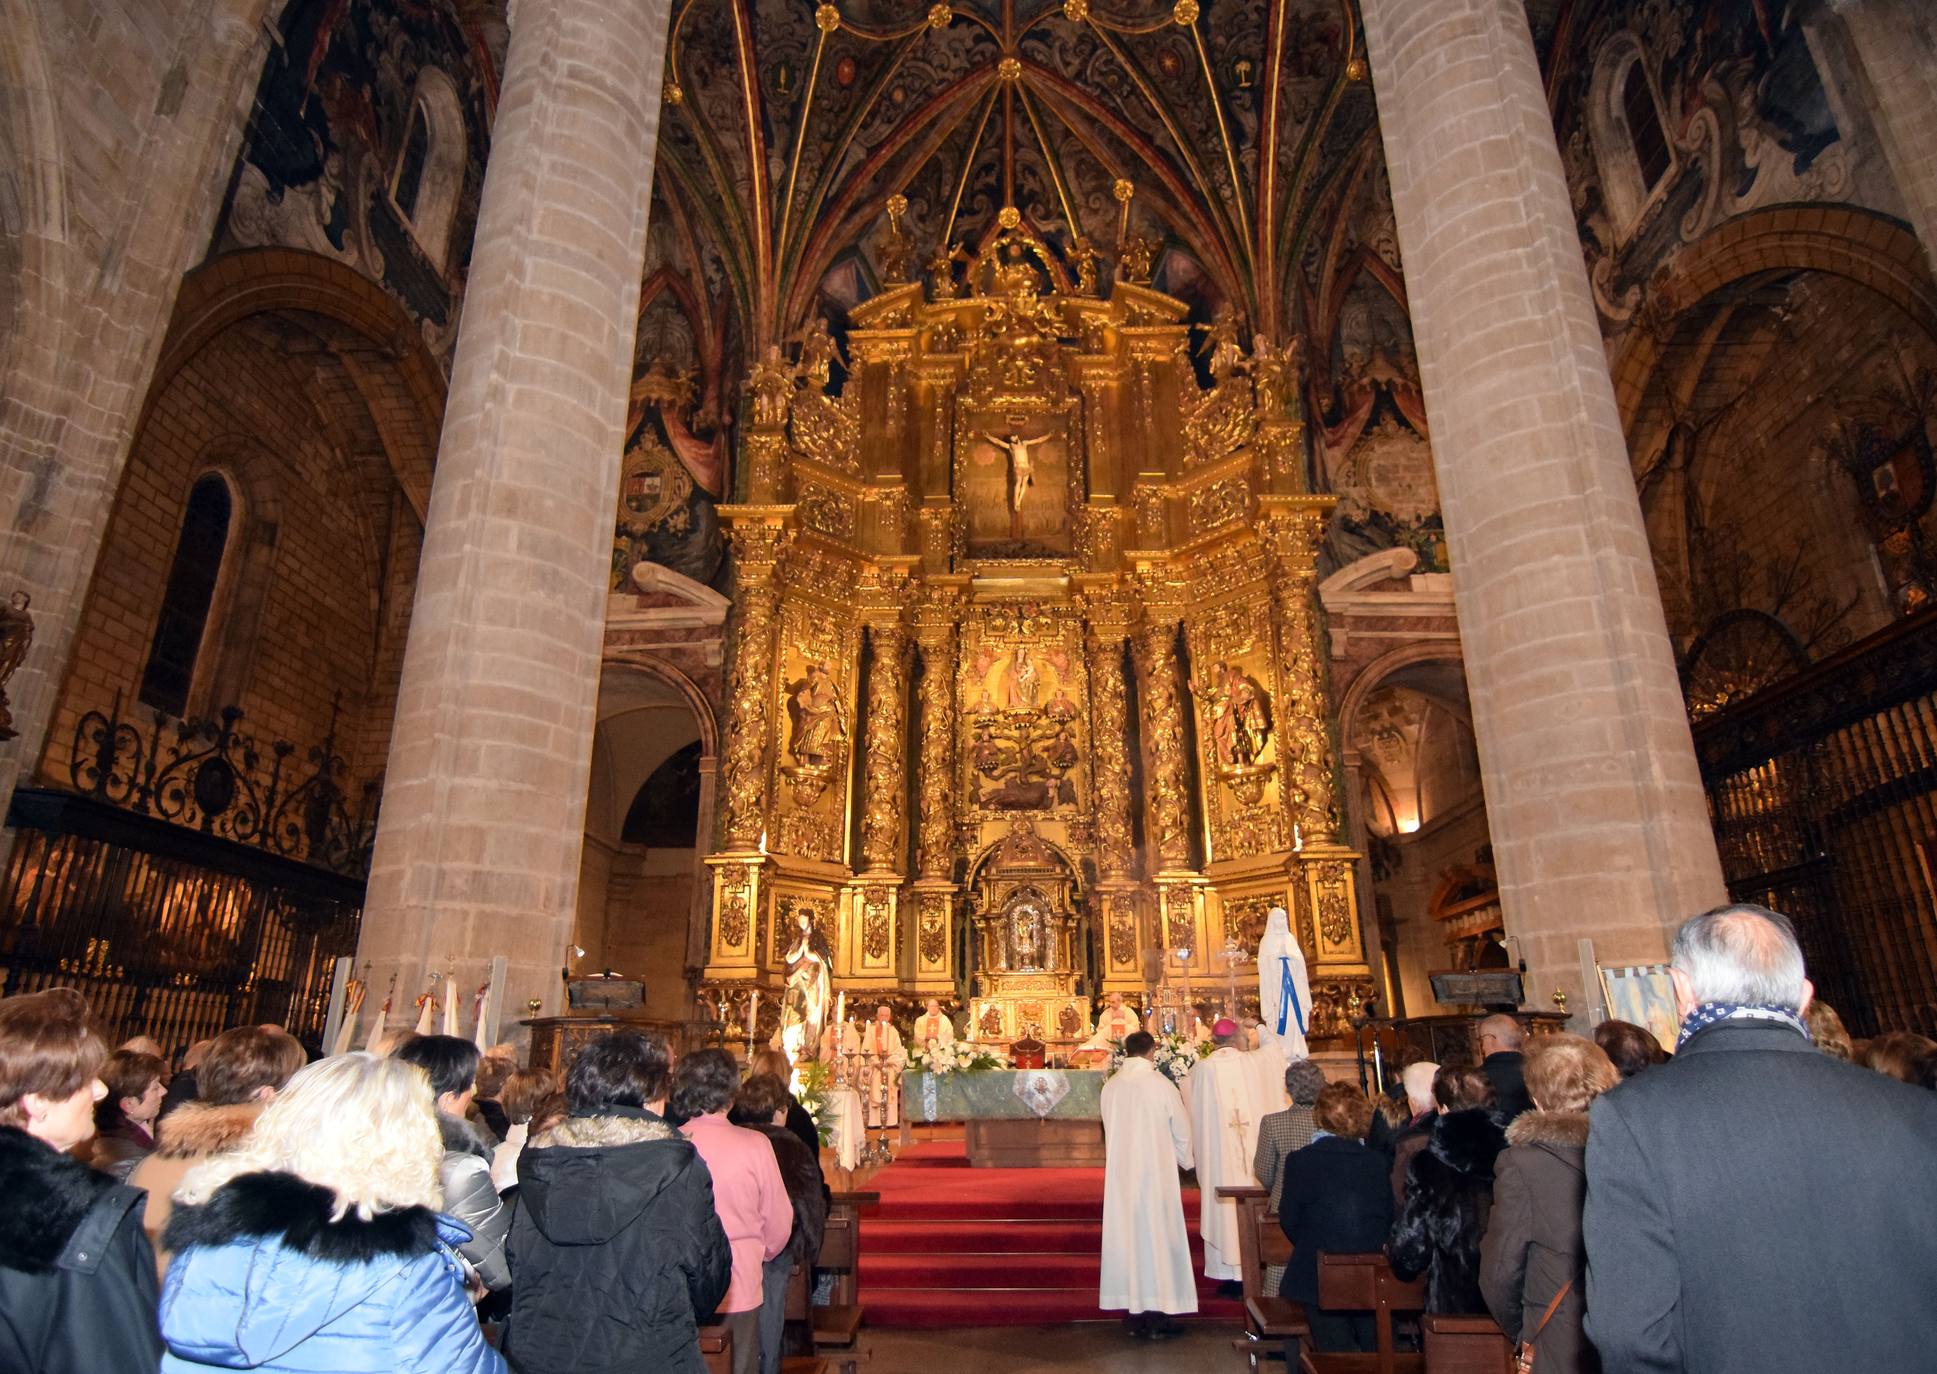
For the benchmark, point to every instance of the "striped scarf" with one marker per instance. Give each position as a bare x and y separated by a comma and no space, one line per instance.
1713,1013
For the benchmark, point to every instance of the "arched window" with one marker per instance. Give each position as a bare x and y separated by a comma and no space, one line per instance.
192,579
410,167
1631,145
429,175
1644,125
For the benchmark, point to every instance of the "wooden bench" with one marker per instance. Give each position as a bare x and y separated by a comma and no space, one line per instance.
716,1349
1268,1318
1465,1345
1365,1283
837,1327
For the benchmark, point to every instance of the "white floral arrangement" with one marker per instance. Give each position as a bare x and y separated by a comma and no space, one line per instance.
1174,1057
956,1058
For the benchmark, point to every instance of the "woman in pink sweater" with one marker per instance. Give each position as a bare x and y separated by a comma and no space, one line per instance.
748,1192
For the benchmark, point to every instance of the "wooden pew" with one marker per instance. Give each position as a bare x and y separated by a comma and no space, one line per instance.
1465,1345
837,1327
716,1347
1365,1283
1268,1318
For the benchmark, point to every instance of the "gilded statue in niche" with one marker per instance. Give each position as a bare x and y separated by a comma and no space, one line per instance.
1021,474
817,732
1240,715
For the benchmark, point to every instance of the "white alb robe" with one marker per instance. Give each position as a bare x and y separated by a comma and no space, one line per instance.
882,1060
938,1029
1146,1247
1221,1094
1117,1024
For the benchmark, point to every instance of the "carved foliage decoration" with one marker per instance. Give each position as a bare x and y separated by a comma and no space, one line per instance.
1115,856
733,907
882,787
1219,504
1244,919
874,922
828,429
1332,889
1123,931
936,837
826,510
743,772
932,945
1169,771
1223,422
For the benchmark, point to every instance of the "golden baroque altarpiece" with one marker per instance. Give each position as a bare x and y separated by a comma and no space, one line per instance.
1027,687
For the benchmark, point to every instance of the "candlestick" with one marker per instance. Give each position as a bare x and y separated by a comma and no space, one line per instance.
840,1007
753,1013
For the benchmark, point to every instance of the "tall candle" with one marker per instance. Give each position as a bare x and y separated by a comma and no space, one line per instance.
840,1007
753,1012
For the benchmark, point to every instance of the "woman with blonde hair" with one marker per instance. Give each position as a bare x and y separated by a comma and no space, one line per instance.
1532,1262
318,1244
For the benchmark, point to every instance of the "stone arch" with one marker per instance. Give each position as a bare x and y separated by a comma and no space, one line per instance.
684,686
258,281
1845,241
1375,674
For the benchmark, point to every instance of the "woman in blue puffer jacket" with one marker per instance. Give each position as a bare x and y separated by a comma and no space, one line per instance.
318,1246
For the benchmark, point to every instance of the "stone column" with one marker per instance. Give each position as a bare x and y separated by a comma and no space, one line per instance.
1599,825
477,853
934,885
1896,42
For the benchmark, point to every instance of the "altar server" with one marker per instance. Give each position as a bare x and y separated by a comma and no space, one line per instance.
934,1028
1221,1096
1146,1249
882,1059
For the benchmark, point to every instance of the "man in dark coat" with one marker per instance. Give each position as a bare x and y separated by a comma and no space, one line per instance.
1500,1041
616,1250
1755,1206
77,1275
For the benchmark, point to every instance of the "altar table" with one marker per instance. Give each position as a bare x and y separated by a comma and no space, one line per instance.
1015,1118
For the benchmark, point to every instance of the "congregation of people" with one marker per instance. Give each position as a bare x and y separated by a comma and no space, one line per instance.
421,1207
1752,1201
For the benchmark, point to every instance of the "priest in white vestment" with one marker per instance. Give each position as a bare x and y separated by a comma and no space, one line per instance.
882,1060
932,1027
1221,1094
1146,1248
1114,1024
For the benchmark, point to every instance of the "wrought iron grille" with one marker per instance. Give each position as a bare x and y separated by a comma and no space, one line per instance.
214,776
1823,793
168,933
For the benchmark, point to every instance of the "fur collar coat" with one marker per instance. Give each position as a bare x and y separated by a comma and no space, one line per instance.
77,1277
1449,1190
268,1276
1533,1244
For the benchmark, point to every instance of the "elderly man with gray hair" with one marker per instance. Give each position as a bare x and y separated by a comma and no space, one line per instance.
1754,1207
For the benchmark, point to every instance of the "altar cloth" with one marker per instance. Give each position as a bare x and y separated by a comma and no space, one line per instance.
991,1095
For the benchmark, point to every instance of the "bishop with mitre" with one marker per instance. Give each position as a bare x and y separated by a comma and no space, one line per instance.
1146,1248
1221,1095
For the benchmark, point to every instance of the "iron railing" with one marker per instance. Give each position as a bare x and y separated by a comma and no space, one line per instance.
214,776
1823,792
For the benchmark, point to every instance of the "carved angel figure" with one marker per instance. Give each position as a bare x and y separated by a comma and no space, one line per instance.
772,384
818,351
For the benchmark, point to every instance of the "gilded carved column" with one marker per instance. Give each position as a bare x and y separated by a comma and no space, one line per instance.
934,886
739,873
1115,857
743,770
1293,532
1164,741
1118,901
882,785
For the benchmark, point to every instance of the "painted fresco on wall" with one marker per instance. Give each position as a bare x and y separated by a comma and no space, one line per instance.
1370,445
367,144
678,461
1674,117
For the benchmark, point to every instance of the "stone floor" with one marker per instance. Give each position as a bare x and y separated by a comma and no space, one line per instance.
1039,1349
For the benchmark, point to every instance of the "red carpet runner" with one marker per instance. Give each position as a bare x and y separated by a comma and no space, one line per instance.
955,1246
